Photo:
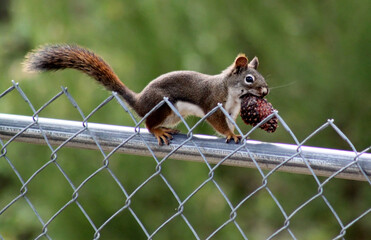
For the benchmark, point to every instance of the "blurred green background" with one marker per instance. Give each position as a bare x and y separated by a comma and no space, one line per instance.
315,56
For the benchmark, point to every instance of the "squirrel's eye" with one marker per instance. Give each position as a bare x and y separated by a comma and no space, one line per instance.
249,79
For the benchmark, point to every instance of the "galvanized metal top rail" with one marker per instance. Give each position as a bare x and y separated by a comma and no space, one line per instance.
269,156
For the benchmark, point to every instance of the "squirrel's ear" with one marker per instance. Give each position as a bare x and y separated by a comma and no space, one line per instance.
240,63
254,63
241,60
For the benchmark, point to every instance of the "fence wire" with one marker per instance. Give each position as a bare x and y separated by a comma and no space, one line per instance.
266,158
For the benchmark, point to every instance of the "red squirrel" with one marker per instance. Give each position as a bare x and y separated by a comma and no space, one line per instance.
192,93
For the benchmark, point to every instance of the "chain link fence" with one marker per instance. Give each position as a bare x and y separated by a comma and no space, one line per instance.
321,165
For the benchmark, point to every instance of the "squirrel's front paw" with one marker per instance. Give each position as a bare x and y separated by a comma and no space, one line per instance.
164,135
236,138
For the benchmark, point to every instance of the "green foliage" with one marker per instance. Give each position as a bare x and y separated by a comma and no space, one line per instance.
314,54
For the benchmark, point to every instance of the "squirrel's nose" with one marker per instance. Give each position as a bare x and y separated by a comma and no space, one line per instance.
264,91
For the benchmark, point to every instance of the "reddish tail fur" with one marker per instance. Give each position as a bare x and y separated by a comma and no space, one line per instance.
58,57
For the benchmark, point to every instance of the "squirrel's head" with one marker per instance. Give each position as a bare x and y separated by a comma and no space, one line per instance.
243,78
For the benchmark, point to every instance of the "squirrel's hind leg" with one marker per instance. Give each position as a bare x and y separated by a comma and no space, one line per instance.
157,121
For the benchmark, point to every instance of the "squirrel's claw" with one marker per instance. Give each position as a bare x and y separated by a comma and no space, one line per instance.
164,135
236,138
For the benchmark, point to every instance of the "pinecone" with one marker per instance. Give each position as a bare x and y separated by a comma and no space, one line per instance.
255,109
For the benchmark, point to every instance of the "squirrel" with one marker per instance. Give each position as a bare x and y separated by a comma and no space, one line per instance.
192,93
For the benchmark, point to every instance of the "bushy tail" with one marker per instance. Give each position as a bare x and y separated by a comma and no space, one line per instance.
58,57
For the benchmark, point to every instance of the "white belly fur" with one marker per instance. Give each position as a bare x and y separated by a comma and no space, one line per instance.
232,105
186,109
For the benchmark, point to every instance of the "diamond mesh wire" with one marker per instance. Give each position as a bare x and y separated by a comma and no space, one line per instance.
359,163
